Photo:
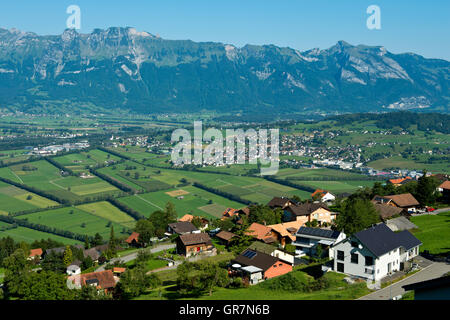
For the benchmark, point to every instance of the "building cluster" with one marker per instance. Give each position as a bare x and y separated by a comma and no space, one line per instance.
54,149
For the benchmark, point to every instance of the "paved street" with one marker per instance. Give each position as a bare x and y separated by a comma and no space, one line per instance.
434,270
133,256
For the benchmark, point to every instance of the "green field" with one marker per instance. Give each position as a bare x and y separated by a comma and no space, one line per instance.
78,162
13,199
72,219
29,235
109,212
47,177
192,203
434,232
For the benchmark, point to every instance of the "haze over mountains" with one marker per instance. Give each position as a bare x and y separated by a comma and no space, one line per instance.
127,69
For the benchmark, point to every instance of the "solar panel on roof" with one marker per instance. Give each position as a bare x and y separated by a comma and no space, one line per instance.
249,254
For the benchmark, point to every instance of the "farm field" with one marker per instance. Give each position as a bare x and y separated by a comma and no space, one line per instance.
74,220
399,162
77,162
434,232
29,235
195,202
13,199
46,177
109,212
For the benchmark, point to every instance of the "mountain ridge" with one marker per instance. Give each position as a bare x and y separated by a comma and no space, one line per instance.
124,68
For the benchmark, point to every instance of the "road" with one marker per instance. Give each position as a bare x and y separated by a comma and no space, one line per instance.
133,256
431,213
435,270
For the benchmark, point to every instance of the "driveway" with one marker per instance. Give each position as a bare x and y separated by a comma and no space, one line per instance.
434,270
431,213
133,256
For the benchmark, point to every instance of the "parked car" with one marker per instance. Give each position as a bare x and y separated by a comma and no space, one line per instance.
421,210
430,209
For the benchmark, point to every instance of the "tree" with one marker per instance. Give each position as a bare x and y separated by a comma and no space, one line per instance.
17,267
112,245
86,242
98,240
356,214
264,215
67,257
136,281
146,231
200,277
426,190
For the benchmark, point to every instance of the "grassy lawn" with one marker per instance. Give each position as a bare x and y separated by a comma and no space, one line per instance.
13,199
434,232
338,290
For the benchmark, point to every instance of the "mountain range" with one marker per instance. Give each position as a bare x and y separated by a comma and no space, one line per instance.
124,69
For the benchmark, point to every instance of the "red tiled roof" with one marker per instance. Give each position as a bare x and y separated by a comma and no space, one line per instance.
105,279
445,185
36,252
319,191
259,231
119,270
134,236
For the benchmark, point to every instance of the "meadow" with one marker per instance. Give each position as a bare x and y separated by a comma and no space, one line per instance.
109,212
13,199
21,234
44,176
74,220
434,232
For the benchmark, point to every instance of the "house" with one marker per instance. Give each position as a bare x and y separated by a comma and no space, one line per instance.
261,232
118,271
285,232
182,227
73,269
60,250
255,266
375,252
405,201
308,212
400,181
387,211
308,239
133,240
434,289
229,213
400,224
225,237
445,189
35,254
323,195
273,251
280,202
189,218
103,280
194,243
96,252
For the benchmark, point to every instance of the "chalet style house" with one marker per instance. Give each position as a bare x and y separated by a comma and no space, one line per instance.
102,281
375,252
405,201
308,212
308,239
261,232
254,266
191,244
445,189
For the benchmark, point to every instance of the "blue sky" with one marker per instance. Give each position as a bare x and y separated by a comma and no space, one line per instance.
416,26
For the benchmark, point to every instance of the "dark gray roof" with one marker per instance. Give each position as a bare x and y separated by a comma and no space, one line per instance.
380,239
255,258
183,227
306,209
317,232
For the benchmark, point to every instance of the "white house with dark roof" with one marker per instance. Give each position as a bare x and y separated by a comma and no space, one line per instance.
375,252
307,240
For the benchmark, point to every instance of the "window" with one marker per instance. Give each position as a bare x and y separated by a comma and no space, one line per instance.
354,244
369,261
340,255
340,267
354,258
